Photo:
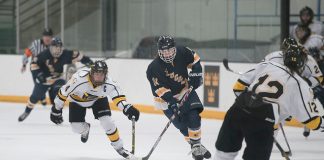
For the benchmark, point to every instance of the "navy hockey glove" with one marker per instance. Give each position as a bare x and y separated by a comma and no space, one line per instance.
40,78
130,111
56,115
175,108
195,79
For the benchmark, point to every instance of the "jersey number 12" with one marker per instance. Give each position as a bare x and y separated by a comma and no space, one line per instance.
271,84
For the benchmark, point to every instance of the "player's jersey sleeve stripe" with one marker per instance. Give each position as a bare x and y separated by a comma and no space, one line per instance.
34,66
313,123
61,97
116,100
238,86
301,93
320,79
159,100
161,91
196,58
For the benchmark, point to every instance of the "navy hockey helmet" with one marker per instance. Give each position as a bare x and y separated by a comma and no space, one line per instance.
295,57
98,72
287,42
48,32
56,47
307,12
166,48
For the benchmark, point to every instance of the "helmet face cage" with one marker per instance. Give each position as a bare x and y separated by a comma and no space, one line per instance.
166,48
56,51
98,67
167,55
295,58
56,47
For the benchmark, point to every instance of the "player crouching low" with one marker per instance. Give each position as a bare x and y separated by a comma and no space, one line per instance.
89,89
169,79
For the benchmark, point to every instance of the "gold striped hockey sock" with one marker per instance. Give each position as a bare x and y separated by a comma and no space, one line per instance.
114,136
194,135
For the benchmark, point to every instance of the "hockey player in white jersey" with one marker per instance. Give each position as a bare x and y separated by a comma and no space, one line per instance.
307,39
89,89
310,72
269,94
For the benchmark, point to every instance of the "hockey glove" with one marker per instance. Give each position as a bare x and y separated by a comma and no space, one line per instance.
175,108
40,78
195,80
56,115
130,111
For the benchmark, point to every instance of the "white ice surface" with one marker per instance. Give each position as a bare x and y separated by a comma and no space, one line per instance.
39,139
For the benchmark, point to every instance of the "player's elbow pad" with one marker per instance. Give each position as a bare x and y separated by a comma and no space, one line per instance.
86,60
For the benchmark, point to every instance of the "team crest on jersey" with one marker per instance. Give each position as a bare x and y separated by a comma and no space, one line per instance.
175,77
86,97
89,97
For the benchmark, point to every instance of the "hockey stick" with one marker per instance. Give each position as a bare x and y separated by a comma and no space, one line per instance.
283,153
133,135
225,63
284,134
185,97
88,66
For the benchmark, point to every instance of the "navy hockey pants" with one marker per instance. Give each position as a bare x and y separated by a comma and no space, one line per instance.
190,117
40,90
34,80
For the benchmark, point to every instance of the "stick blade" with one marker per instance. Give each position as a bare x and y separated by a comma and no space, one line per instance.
225,63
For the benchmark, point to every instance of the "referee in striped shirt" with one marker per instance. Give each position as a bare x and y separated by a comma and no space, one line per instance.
36,47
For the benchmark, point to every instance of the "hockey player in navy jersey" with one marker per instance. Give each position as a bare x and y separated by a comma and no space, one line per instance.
48,69
37,46
169,80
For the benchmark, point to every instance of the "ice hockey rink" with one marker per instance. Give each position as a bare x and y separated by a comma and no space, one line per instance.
39,139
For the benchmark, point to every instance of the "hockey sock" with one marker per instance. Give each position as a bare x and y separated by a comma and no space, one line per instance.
194,135
113,136
80,127
30,106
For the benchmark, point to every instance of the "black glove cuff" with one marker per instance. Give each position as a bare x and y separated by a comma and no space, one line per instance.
54,110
